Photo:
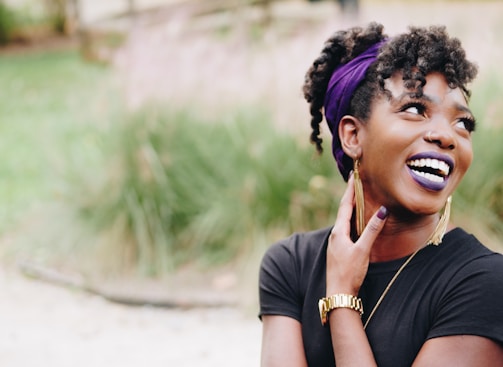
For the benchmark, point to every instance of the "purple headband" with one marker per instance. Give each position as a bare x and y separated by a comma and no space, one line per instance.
341,87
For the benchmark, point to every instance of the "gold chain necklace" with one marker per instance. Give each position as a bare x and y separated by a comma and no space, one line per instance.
389,286
435,239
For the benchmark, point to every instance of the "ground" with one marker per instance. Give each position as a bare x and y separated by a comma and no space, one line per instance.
47,325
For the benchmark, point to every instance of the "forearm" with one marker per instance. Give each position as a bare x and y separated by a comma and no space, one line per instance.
282,342
347,265
349,341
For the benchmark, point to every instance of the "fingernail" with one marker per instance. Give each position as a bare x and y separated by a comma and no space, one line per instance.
382,213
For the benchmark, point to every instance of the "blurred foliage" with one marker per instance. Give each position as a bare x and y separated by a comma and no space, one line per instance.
57,14
486,99
183,188
32,22
164,186
52,105
7,23
480,194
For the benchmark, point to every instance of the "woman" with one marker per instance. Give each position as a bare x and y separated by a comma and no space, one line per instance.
393,282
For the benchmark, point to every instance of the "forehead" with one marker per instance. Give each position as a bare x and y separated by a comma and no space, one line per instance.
436,89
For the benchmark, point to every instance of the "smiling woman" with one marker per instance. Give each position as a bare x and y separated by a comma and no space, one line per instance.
426,292
423,133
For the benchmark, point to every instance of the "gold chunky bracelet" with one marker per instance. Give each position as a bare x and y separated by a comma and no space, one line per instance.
340,300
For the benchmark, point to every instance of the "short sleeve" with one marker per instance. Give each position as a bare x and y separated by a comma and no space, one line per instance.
473,303
279,292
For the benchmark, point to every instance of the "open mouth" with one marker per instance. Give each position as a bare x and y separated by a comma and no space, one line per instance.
432,169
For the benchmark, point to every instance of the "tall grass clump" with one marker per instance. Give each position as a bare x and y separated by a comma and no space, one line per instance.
479,198
7,23
48,102
480,194
183,189
179,188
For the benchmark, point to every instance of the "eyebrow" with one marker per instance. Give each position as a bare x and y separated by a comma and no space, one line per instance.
425,97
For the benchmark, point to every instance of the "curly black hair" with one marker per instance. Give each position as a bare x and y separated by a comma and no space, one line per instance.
416,53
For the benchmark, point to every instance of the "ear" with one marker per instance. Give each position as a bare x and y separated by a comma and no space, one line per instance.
349,128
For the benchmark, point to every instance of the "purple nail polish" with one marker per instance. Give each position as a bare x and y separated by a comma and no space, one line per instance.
382,213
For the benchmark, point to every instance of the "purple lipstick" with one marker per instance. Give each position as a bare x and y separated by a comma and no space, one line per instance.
430,170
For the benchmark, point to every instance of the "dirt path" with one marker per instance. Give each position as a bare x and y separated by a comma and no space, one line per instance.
45,325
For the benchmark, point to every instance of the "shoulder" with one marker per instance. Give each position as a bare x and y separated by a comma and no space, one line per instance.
472,296
292,259
466,260
285,269
299,250
467,251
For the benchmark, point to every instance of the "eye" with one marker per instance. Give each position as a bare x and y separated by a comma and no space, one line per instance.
466,123
414,108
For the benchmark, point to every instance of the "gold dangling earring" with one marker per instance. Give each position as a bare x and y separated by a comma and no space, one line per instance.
438,234
359,199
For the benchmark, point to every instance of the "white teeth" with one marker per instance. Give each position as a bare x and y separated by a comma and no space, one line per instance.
431,163
429,176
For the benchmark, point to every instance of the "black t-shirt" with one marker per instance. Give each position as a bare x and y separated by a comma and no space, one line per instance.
455,288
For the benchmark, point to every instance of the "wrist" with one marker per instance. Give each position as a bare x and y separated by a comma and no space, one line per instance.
339,300
341,289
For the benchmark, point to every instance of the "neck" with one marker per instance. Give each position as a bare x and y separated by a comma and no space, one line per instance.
401,238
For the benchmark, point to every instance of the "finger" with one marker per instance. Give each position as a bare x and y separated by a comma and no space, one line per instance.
373,228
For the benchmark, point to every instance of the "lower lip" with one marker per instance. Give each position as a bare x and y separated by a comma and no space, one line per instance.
427,184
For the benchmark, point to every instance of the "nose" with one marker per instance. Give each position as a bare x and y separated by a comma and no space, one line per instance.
441,137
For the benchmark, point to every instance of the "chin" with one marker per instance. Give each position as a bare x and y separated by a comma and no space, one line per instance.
419,208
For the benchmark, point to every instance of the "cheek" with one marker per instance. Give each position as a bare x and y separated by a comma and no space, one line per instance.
466,156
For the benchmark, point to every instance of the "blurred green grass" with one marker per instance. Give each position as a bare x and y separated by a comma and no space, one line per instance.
154,189
187,189
50,105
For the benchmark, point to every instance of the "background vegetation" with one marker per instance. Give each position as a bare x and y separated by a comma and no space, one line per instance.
91,184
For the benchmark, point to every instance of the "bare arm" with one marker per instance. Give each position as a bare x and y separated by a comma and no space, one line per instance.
282,342
460,351
350,343
347,264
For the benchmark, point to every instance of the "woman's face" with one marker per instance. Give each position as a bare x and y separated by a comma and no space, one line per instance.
415,151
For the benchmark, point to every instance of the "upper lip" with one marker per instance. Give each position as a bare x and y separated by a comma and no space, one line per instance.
434,162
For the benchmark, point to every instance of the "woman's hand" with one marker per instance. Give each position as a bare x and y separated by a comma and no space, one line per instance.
347,261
